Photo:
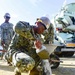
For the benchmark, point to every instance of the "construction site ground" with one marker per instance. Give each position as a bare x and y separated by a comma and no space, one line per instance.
65,68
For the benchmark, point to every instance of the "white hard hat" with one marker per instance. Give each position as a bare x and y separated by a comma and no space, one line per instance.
7,15
45,21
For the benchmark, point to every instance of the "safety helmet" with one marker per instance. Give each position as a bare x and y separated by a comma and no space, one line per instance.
7,15
45,21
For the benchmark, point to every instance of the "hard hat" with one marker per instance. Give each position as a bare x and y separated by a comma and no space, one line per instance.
45,21
7,15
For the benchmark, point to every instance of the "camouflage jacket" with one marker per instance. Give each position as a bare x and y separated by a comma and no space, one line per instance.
49,35
6,31
24,38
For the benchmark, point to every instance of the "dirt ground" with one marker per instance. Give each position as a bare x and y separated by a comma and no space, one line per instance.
65,68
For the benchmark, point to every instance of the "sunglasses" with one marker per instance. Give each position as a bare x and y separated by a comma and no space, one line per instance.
43,25
7,17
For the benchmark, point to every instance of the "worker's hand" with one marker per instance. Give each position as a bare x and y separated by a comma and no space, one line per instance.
38,44
2,43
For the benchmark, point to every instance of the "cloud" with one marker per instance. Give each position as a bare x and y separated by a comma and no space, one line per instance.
35,2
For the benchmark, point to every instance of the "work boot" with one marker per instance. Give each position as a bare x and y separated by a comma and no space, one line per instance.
7,58
34,71
16,71
9,63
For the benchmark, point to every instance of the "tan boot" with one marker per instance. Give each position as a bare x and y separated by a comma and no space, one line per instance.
16,71
34,71
9,63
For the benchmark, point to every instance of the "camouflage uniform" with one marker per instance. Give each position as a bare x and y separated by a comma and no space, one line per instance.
49,35
23,42
6,33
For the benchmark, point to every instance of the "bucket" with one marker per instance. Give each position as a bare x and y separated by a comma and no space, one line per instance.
46,50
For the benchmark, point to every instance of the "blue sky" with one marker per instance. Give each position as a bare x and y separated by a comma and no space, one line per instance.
29,10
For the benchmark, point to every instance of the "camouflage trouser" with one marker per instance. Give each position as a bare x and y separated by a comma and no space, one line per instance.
34,71
6,43
23,61
5,47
